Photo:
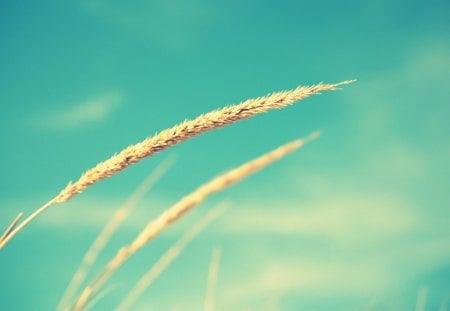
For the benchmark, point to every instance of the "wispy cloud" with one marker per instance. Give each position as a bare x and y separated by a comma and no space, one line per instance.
314,278
343,244
353,247
79,114
350,220
363,277
169,23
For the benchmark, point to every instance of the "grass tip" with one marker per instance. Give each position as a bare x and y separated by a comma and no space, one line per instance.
344,83
313,136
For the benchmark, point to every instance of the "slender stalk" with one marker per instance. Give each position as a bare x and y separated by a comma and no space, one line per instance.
14,228
11,226
168,257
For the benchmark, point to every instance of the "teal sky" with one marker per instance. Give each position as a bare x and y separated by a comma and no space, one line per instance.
356,220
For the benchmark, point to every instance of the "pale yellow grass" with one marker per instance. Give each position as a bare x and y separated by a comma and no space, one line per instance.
108,230
187,203
168,257
169,137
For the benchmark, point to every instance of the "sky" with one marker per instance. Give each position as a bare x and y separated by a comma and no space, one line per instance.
357,220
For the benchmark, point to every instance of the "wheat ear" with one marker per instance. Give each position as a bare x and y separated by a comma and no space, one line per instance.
119,216
169,137
168,257
187,203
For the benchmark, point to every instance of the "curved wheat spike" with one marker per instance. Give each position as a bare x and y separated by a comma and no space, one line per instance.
178,133
177,210
109,229
168,257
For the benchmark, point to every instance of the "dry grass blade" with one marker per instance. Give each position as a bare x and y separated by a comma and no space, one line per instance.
213,274
180,208
109,229
11,226
151,275
178,133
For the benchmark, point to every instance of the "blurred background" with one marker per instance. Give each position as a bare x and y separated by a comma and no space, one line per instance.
357,220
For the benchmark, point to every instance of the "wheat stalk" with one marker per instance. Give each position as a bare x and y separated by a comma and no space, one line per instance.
11,226
169,137
168,257
187,203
